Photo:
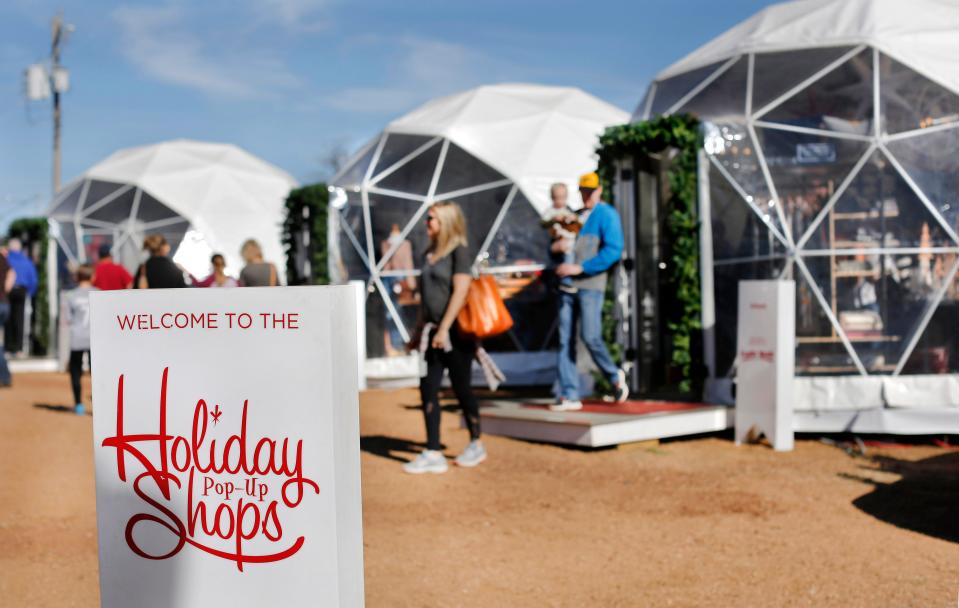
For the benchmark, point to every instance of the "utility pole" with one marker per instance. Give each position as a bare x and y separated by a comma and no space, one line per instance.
58,36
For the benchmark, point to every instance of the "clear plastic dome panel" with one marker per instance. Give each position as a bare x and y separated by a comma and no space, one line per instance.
115,211
355,173
519,240
67,207
726,279
738,232
463,170
151,210
724,99
911,101
774,74
841,100
932,162
880,210
97,191
390,216
398,146
672,90
415,176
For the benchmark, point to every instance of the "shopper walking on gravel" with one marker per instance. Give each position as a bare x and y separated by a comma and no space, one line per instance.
598,247
7,277
76,317
444,284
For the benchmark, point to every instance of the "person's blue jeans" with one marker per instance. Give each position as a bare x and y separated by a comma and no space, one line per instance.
4,370
568,258
585,309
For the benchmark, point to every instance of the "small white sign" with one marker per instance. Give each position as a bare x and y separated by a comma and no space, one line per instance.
226,446
766,354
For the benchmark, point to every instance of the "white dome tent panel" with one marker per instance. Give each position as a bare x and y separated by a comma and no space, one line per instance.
210,197
830,127
495,150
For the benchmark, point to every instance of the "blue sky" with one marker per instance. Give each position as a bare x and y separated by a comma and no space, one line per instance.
289,80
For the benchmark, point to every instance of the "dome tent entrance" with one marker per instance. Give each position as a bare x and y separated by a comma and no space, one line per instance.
203,197
831,132
495,150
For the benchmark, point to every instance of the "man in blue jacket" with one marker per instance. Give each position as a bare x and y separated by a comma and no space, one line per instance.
598,246
24,287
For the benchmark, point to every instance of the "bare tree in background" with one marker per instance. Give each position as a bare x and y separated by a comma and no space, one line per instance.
333,158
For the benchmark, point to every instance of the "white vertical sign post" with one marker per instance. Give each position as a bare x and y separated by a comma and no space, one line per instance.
765,348
226,446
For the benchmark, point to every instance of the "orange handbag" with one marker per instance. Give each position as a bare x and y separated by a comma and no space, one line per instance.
484,315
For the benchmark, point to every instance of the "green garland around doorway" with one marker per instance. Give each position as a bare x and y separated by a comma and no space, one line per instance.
306,208
683,319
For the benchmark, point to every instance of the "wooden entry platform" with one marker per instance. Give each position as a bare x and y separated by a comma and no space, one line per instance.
601,424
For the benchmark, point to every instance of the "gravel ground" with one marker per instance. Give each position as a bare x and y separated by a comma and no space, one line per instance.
686,523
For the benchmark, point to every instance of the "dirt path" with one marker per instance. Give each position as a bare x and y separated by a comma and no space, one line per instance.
688,523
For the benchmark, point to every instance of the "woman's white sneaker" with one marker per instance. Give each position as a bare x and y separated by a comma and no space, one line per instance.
429,461
474,454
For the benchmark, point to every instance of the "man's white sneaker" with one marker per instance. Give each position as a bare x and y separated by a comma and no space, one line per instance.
429,461
567,405
622,387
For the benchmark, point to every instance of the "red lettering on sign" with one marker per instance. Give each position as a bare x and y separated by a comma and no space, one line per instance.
208,526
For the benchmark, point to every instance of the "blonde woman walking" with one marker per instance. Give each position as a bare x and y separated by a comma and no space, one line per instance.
444,284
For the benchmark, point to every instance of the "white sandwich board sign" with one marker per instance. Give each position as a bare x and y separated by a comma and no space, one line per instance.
765,350
226,446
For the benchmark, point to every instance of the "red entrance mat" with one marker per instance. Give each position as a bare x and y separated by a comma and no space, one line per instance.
629,407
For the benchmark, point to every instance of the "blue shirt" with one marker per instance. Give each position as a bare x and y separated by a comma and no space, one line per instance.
603,222
26,271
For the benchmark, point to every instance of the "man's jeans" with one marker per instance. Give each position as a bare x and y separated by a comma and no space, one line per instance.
584,308
4,370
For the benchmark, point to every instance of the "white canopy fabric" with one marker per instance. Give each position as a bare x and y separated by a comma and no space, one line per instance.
226,194
918,33
535,135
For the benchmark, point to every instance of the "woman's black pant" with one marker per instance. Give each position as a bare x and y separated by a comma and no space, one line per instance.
76,370
458,361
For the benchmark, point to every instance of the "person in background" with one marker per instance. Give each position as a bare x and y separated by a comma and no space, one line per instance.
444,283
598,246
24,287
400,289
108,275
256,273
7,278
219,277
159,271
76,315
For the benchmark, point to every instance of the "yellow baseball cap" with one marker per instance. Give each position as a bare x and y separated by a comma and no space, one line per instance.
589,180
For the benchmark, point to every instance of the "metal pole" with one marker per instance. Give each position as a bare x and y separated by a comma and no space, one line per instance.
55,65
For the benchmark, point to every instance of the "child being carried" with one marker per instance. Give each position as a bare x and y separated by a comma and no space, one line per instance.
563,225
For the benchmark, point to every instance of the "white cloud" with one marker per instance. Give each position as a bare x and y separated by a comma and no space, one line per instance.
423,69
159,42
298,15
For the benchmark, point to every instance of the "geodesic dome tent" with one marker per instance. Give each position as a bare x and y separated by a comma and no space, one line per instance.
203,197
495,150
832,130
